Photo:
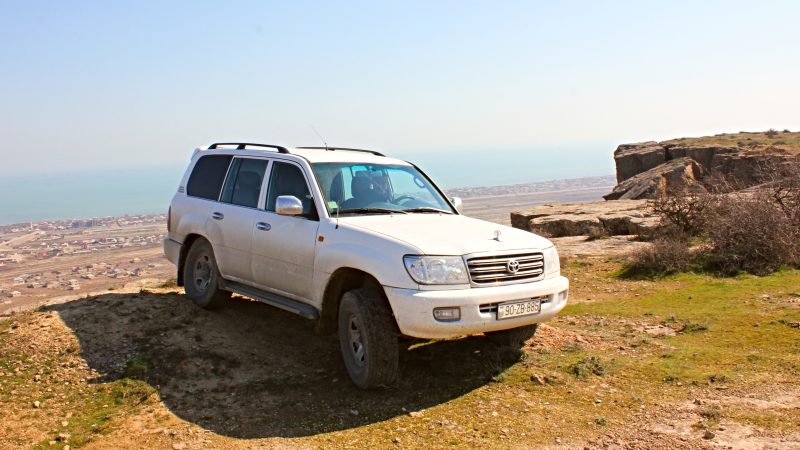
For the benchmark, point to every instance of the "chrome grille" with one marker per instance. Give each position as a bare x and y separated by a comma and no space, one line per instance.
499,269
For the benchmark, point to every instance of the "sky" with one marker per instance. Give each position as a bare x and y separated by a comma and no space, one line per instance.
95,85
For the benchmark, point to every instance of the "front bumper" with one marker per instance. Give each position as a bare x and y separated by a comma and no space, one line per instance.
413,309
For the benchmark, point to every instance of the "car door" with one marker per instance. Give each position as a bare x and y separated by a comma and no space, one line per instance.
234,216
283,246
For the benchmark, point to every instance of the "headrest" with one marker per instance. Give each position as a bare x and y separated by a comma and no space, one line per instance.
249,179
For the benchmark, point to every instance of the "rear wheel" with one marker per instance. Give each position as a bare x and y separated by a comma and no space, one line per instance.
515,337
201,277
368,338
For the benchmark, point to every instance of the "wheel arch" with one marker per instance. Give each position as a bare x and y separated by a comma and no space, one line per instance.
187,244
342,280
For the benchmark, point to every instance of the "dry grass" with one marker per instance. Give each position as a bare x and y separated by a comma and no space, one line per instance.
251,376
758,142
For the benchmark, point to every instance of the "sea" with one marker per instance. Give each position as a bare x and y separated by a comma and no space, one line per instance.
148,190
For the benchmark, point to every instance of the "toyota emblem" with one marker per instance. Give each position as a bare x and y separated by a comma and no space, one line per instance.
512,266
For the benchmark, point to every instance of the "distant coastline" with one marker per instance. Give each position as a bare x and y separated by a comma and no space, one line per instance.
595,185
148,190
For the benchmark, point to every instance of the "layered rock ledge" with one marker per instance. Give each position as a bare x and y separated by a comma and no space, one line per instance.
700,164
621,217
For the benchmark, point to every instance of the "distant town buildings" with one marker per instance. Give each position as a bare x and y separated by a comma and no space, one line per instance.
26,246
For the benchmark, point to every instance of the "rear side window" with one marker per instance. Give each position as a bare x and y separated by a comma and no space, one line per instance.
207,177
244,182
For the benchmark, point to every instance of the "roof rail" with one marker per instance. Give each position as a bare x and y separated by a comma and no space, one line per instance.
344,149
243,145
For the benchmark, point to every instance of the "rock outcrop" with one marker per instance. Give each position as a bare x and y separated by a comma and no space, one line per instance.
682,174
693,165
622,217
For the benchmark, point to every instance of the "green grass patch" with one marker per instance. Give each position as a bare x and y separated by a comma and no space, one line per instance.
725,327
94,414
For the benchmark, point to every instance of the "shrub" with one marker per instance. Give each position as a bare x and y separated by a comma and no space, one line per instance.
771,132
687,213
661,257
752,234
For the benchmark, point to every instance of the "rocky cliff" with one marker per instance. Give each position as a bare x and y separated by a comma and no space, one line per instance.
697,164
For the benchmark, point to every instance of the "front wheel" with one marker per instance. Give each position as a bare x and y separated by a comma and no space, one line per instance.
368,338
201,277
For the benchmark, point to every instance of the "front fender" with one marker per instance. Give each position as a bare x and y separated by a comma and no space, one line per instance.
362,250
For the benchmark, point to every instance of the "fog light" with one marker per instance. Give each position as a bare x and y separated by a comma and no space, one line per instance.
563,296
447,314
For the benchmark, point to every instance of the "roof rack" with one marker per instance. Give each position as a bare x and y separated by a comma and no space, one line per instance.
344,149
243,145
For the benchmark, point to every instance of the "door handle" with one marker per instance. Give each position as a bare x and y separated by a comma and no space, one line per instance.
217,215
263,226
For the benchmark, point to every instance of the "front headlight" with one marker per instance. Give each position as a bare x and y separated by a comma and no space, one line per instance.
552,264
436,269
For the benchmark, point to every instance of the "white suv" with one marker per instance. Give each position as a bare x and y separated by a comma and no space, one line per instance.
359,242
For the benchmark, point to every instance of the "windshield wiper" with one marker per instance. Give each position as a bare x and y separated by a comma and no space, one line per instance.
427,209
372,211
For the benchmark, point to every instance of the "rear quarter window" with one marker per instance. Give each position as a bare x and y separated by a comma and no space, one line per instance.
207,176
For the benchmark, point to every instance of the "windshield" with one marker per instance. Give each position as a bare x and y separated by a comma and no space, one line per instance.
358,188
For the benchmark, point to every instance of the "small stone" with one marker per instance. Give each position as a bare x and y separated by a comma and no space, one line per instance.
538,379
721,428
558,440
415,414
178,446
66,447
354,412
64,423
36,404
396,440
697,401
709,435
63,436
794,324
37,378
598,401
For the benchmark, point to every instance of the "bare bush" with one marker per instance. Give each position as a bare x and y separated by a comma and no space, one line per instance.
661,257
687,213
663,230
752,233
783,188
755,230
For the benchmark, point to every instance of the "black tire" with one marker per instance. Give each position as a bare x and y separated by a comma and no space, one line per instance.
201,277
368,338
514,337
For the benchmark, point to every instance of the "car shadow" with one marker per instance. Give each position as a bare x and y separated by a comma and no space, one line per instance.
253,371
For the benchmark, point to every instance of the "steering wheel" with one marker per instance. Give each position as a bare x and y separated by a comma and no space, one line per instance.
404,197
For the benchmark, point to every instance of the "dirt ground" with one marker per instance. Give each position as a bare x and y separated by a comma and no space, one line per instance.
147,369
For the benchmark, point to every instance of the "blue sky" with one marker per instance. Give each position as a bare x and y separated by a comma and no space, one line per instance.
112,84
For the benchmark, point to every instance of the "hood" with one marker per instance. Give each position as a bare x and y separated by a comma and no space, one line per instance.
445,234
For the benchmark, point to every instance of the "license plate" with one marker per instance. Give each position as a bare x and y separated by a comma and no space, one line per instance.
519,308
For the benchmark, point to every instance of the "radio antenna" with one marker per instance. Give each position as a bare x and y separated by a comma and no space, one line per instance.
320,137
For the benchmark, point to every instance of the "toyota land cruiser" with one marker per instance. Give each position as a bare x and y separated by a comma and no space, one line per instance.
368,246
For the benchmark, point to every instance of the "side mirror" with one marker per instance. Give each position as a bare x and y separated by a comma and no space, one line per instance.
288,205
457,203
